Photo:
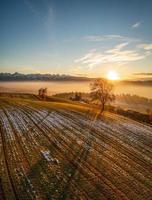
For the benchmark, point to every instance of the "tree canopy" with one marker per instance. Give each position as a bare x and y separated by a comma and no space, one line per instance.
101,91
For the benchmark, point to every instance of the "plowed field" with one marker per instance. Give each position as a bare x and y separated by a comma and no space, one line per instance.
58,151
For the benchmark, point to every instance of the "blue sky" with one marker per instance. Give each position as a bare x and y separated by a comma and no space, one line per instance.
76,37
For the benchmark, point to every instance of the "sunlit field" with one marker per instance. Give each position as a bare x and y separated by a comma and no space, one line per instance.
60,150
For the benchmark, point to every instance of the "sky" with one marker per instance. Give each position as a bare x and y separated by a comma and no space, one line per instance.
77,37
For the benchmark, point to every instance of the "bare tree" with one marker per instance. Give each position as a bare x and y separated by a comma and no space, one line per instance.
101,91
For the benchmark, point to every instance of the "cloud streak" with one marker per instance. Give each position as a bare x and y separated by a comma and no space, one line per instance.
145,46
46,13
100,38
136,25
144,74
119,54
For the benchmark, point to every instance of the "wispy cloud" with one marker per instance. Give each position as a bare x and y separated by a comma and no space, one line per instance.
99,38
50,17
145,46
119,54
136,25
143,73
45,13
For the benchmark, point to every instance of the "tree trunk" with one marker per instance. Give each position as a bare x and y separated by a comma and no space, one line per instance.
102,109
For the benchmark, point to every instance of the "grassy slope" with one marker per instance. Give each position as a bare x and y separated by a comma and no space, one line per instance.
109,158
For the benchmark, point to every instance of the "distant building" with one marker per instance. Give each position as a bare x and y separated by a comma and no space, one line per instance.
42,92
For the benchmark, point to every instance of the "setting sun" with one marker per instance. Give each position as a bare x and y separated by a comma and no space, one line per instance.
112,75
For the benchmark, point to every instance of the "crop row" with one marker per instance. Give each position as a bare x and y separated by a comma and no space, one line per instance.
66,154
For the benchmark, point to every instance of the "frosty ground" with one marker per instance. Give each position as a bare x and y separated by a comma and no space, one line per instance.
60,150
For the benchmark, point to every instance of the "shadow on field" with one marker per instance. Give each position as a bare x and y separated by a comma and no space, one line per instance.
72,170
55,186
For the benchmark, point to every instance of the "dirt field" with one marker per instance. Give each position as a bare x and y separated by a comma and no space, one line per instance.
52,150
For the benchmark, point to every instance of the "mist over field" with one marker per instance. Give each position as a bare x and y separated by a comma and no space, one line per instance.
71,86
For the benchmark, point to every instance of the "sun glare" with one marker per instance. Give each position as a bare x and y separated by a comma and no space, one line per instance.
112,75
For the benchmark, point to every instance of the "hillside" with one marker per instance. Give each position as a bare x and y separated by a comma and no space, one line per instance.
59,150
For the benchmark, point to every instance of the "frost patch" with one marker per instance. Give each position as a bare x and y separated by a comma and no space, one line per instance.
47,156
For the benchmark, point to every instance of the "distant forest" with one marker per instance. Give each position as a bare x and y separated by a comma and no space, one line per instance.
130,99
125,101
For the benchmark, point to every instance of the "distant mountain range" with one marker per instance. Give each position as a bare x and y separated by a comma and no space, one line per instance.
40,77
56,77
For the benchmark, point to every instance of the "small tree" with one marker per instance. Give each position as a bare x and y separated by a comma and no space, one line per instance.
101,90
77,96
